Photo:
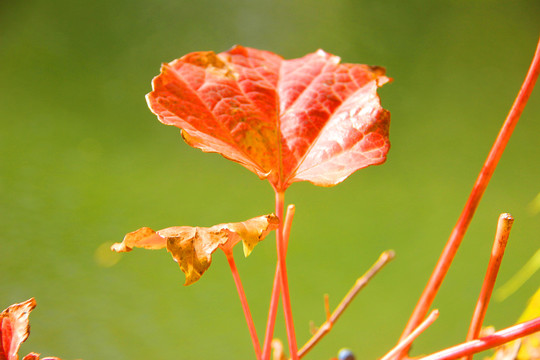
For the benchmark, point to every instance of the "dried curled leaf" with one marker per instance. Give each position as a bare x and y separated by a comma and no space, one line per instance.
145,238
307,119
192,247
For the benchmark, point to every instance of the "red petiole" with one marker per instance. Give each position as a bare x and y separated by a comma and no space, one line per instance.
243,300
276,290
284,282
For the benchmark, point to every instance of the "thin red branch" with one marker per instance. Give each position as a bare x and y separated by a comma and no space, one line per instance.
276,289
412,336
445,260
245,306
359,285
499,245
272,313
284,282
487,342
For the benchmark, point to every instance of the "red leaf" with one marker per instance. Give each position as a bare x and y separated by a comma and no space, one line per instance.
310,118
14,328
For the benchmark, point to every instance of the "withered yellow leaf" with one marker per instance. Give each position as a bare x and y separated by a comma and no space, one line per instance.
145,238
528,347
192,247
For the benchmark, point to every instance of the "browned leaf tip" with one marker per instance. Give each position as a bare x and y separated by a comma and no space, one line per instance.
145,238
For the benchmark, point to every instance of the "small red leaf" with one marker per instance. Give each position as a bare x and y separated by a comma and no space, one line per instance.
307,119
14,328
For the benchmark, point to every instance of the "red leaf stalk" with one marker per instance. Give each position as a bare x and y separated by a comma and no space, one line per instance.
285,298
272,312
499,245
487,342
276,289
245,306
443,264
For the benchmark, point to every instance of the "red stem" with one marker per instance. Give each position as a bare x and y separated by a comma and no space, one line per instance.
284,282
501,238
412,336
272,312
243,300
276,289
443,264
487,342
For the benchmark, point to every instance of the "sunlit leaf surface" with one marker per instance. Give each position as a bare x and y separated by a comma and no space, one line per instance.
311,118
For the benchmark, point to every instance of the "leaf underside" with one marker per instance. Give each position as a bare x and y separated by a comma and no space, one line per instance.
307,119
192,247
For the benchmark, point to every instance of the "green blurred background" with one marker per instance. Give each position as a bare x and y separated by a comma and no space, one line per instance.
83,161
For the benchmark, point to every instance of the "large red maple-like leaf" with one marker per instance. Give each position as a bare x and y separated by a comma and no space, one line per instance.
310,118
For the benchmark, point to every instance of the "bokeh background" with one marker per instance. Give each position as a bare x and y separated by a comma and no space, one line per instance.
83,161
